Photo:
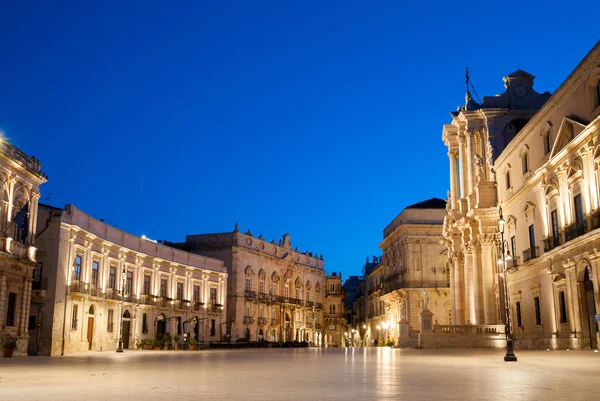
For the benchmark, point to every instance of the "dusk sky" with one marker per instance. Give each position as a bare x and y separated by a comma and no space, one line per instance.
319,119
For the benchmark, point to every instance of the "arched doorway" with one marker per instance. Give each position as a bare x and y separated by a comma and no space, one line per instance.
260,335
161,325
90,326
287,327
126,328
588,307
247,334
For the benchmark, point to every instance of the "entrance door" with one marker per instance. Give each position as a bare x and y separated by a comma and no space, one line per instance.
90,332
126,327
589,308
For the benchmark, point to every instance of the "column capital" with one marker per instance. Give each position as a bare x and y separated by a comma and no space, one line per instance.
453,154
487,239
462,138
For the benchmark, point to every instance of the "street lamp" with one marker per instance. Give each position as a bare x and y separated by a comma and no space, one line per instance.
510,354
120,347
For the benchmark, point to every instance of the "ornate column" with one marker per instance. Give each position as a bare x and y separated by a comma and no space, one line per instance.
33,216
3,300
462,160
453,157
487,279
477,285
573,297
468,280
11,193
565,200
470,163
591,176
452,291
458,288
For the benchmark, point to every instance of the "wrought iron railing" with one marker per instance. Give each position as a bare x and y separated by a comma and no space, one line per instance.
274,322
551,242
318,305
250,294
309,304
215,308
79,287
248,320
198,306
263,321
574,230
263,296
531,253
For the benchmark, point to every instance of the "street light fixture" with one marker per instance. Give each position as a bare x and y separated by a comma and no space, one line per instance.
510,354
120,347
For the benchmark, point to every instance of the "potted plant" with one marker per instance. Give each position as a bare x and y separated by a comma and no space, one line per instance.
159,343
166,341
192,343
9,343
176,343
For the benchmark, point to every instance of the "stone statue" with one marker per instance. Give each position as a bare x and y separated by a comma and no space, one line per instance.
425,299
237,227
479,163
403,310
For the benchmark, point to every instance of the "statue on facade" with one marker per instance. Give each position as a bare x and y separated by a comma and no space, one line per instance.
403,315
479,163
236,228
425,299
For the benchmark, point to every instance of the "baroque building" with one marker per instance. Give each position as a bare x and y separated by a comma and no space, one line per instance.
413,267
533,160
20,178
334,315
275,293
102,285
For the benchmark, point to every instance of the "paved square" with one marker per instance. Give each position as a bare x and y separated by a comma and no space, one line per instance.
304,374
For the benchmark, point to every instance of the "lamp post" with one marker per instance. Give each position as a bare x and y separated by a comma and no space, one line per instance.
510,354
120,347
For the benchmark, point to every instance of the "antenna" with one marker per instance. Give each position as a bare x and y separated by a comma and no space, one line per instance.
469,84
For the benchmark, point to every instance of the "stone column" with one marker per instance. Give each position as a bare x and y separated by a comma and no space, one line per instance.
573,295
477,285
487,279
11,193
470,164
33,216
453,157
468,280
463,170
3,301
452,291
458,289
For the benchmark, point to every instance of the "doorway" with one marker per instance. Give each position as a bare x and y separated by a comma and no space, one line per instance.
126,329
90,327
588,308
161,326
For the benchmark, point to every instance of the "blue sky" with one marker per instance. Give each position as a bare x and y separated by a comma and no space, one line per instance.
319,119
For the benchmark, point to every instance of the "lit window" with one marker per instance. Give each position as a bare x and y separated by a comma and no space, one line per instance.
248,284
77,268
95,266
261,286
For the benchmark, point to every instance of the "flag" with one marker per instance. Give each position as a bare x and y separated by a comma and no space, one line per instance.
21,221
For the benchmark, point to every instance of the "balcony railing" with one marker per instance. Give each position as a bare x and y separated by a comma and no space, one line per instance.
263,296
530,254
198,306
595,219
330,293
215,308
263,321
248,320
309,304
112,293
483,330
250,294
183,304
96,292
551,242
574,230
147,299
274,322
79,287
318,305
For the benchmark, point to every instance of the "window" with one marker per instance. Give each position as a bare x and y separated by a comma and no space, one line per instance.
196,293
248,283
11,312
247,310
213,330
179,291
538,315
332,288
109,321
547,143
532,241
147,279
112,276
554,220
213,295
519,321
513,246
178,325
77,268
286,291
274,313
144,323
163,287
507,177
129,282
563,307
578,210
74,318
32,320
297,293
261,312
525,163
261,286
332,309
37,277
95,267
307,296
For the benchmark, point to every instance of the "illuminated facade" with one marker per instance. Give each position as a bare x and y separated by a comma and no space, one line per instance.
413,263
276,294
20,178
94,274
537,156
334,315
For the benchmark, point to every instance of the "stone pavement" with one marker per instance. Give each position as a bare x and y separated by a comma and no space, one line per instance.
304,374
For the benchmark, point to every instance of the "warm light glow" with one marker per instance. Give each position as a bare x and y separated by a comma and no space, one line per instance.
364,326
500,262
378,327
508,257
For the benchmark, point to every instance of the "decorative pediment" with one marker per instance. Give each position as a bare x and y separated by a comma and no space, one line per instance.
275,278
249,271
298,283
551,187
262,274
511,221
529,210
575,168
308,286
569,128
318,288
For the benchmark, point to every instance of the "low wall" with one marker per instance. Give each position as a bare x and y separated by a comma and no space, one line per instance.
464,336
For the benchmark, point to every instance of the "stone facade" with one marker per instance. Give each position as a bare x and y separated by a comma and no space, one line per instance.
412,275
537,156
334,315
276,294
20,178
95,274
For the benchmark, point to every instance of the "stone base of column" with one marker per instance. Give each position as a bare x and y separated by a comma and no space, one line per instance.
486,195
426,335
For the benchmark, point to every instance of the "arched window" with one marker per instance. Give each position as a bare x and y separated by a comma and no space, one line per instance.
598,93
507,180
525,160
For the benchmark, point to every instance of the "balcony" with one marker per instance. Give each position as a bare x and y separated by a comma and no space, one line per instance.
574,230
318,305
248,320
79,287
250,294
263,321
551,242
198,306
293,301
309,325
17,249
215,308
112,293
274,322
595,219
264,297
334,293
96,292
147,299
310,304
182,304
531,253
